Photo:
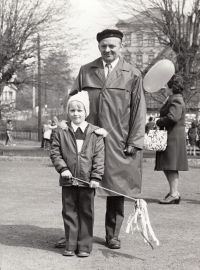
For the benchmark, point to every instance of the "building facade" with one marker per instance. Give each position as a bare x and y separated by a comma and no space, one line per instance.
142,49
8,96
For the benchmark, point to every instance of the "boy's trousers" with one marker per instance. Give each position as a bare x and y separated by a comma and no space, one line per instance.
78,217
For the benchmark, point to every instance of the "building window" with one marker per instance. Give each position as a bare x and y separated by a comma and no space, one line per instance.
127,39
151,40
139,61
150,58
10,95
140,39
127,57
6,95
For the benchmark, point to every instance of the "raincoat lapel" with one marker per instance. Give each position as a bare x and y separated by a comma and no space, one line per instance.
100,70
117,71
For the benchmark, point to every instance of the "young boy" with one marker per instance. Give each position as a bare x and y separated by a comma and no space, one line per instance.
77,152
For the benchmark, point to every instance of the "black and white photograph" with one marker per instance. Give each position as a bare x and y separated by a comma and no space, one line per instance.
99,134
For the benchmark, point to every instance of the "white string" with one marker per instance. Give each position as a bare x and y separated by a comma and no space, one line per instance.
109,131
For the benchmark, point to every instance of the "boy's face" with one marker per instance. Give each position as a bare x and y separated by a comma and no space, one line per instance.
77,112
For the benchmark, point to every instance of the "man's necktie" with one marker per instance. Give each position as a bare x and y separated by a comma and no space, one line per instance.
109,67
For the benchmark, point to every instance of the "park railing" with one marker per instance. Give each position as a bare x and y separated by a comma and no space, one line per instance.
18,134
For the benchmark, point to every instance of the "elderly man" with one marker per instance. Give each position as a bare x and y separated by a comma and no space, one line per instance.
117,104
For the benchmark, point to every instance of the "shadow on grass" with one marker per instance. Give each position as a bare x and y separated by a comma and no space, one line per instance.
148,200
191,201
110,253
30,236
107,253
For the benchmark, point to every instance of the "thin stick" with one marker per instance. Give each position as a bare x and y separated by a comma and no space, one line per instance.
108,190
147,240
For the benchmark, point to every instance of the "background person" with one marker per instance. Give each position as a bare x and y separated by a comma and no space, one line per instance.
174,158
192,137
9,128
53,131
117,104
47,134
150,125
84,159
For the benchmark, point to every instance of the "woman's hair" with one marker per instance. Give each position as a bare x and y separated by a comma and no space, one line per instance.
150,118
176,84
194,124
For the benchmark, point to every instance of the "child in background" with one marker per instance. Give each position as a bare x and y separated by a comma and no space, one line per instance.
9,138
47,134
77,152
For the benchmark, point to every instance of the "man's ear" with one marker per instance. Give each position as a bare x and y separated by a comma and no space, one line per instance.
122,45
99,46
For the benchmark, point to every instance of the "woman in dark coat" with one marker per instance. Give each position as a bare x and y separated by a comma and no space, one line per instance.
174,158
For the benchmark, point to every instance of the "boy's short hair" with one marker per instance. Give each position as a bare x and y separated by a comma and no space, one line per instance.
78,104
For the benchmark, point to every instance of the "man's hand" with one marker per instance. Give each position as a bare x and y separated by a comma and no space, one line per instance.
130,150
66,174
94,184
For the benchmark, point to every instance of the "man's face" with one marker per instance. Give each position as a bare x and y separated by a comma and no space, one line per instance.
110,49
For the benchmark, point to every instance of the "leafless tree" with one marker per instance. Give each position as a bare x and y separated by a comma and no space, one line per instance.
20,22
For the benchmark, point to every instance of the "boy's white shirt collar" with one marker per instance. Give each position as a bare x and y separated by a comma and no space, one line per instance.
82,126
113,64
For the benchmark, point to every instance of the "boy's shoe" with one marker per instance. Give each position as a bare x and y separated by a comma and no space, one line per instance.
83,254
61,243
68,253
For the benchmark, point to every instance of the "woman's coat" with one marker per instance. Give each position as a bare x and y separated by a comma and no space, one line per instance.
117,105
172,118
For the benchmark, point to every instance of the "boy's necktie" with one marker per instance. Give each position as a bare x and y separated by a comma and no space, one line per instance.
109,67
79,135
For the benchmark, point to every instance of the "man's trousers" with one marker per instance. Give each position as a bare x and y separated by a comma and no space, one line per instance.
114,215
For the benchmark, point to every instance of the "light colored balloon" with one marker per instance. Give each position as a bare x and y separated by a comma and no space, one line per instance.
158,75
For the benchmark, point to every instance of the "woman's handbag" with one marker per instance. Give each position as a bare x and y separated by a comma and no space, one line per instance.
156,140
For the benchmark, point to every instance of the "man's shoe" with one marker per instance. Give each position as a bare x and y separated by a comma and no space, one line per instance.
68,253
83,254
61,243
113,243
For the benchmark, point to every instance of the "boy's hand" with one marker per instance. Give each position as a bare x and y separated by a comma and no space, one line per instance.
94,184
66,174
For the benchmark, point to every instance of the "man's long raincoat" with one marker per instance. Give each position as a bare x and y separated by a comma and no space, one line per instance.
117,105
